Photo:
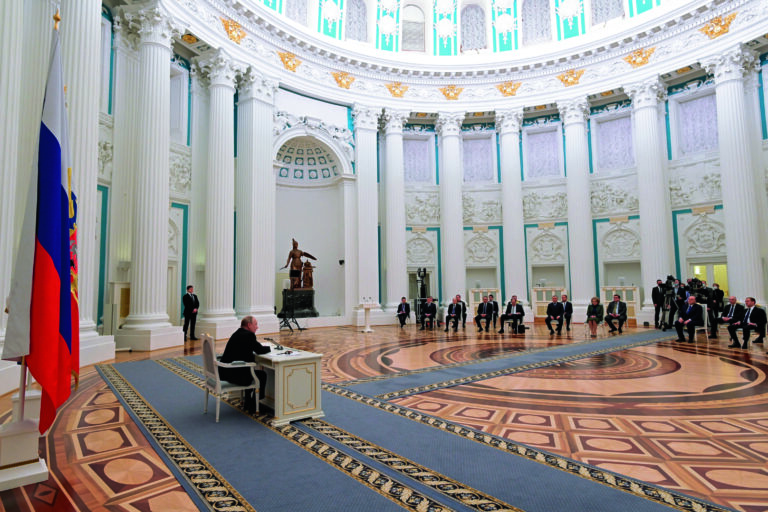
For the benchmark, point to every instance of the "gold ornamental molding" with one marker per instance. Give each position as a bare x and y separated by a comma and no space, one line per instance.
718,26
570,77
290,62
451,92
639,57
233,29
397,89
189,38
343,79
508,88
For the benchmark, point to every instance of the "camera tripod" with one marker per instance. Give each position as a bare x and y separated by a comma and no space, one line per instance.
286,320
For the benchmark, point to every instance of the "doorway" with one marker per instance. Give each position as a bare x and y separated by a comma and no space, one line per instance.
711,272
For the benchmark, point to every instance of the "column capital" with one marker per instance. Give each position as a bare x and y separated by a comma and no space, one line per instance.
732,64
125,37
394,120
252,85
449,123
647,93
510,120
153,25
219,68
574,110
366,117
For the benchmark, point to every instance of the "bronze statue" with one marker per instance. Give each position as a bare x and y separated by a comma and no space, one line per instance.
306,276
294,260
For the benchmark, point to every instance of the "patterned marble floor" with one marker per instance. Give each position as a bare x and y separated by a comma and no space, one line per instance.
692,418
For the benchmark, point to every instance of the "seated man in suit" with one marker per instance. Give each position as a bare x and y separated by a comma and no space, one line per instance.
243,346
732,312
428,314
463,311
515,313
691,316
495,305
453,314
403,311
555,311
616,310
484,313
567,311
754,320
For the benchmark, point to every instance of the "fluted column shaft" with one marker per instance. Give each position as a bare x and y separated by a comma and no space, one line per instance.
451,217
255,201
745,276
394,207
656,260
580,240
80,42
366,125
508,124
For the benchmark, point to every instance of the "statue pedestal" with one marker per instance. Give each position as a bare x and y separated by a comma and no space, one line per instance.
298,303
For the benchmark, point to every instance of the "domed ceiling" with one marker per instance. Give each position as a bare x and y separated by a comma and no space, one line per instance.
306,161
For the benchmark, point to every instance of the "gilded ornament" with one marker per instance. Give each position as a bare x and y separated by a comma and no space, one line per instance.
451,92
290,62
684,70
189,39
605,94
640,57
397,89
718,26
233,29
508,88
343,79
570,77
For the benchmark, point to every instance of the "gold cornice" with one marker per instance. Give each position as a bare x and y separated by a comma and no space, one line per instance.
233,29
718,26
343,79
570,77
397,89
451,92
290,62
639,57
508,88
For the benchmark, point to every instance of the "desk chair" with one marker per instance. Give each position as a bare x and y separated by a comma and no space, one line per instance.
216,386
600,330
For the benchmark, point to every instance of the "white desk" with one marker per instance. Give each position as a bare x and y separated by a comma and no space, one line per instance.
293,384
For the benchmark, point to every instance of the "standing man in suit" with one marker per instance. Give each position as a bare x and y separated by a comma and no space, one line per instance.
428,314
484,312
403,311
732,312
567,311
657,296
463,311
243,346
555,311
691,316
191,305
495,305
616,310
754,320
452,314
515,313
714,306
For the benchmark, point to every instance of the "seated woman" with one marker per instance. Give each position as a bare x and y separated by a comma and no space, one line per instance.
594,316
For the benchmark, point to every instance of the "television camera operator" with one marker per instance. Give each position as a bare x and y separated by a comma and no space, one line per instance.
672,298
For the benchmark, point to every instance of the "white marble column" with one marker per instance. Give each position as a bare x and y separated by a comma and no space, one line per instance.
393,179
448,127
656,254
255,202
366,126
581,249
80,45
742,224
147,326
508,124
217,313
348,192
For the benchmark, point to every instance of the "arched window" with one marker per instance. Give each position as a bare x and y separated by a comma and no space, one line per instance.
536,22
413,29
296,10
472,28
357,21
604,10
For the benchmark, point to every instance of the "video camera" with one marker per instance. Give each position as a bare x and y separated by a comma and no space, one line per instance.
698,290
669,286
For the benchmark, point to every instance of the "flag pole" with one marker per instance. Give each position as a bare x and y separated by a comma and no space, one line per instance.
22,387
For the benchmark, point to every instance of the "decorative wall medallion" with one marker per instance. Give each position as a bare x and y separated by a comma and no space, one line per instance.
621,243
570,77
481,249
640,57
397,89
343,79
189,38
290,62
451,92
508,88
422,208
705,236
419,251
233,29
718,26
547,247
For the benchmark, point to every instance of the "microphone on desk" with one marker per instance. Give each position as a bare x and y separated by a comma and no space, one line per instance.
277,345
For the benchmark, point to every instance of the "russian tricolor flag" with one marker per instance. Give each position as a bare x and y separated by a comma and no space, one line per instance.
43,320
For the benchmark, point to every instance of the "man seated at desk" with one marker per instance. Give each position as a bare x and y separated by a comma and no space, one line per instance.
243,346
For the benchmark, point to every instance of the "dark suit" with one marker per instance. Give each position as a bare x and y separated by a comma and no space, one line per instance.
515,314
428,314
484,312
403,312
755,316
191,305
714,306
657,296
734,313
678,300
695,314
495,311
463,313
243,346
555,310
620,311
453,314
567,313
